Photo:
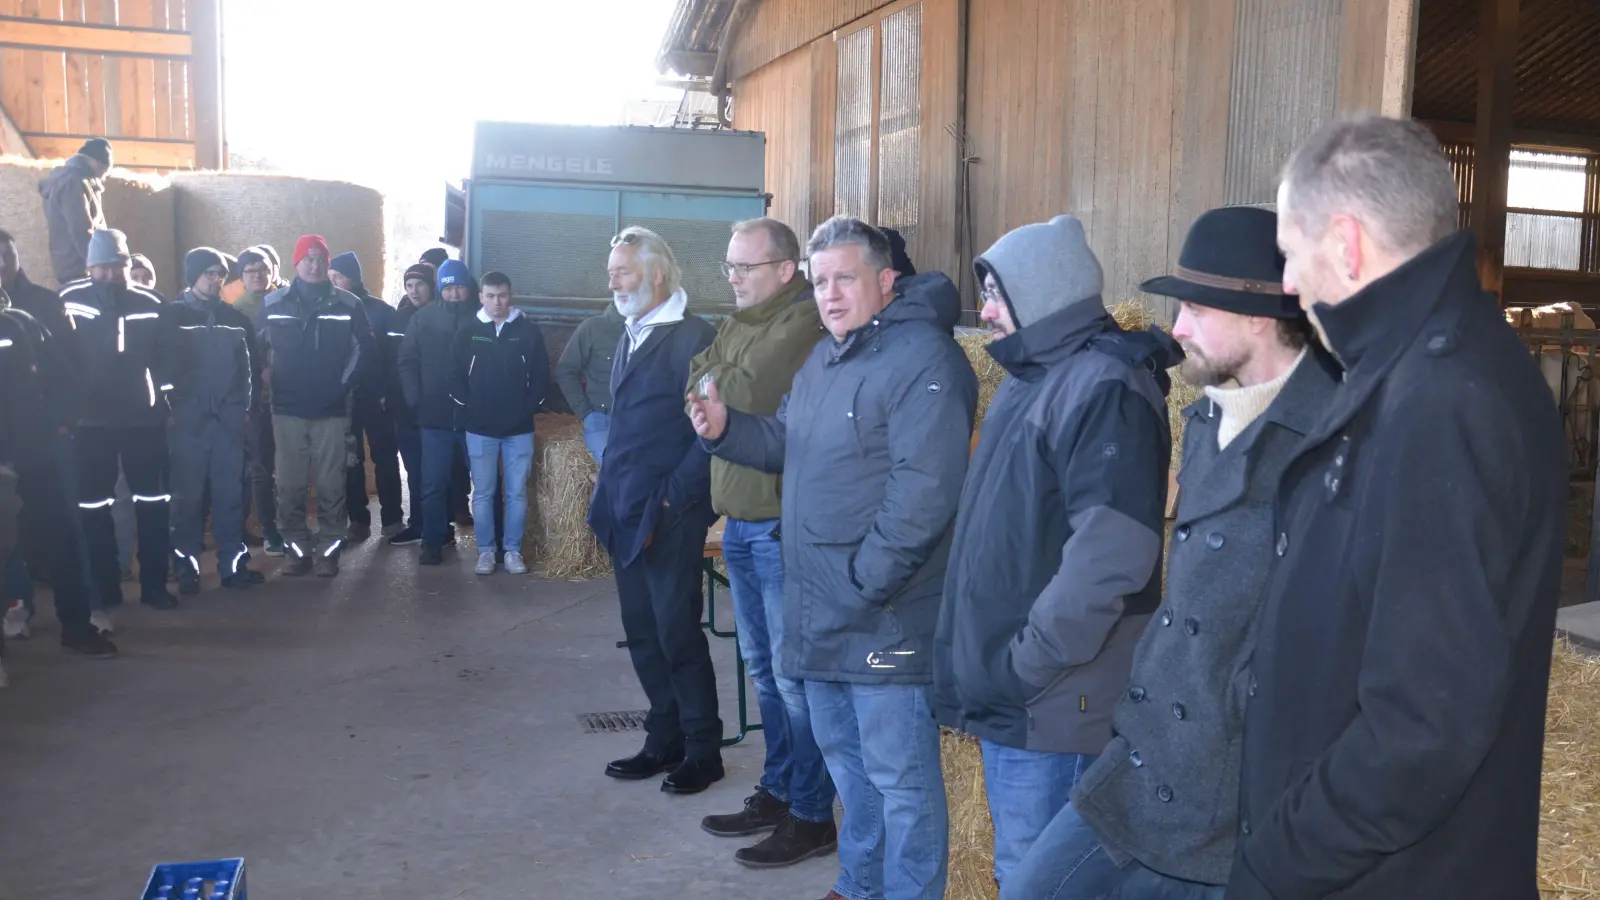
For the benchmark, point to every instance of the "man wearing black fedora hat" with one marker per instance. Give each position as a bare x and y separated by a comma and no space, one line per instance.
1157,814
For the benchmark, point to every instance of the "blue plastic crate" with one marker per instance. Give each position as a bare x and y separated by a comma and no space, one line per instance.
214,879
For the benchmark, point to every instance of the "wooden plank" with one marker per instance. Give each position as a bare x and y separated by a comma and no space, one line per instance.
79,120
876,90
127,153
824,95
1202,68
937,239
1497,56
11,139
138,78
1377,56
69,36
203,80
161,77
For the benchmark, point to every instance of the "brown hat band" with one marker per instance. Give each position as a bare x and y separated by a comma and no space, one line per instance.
1246,285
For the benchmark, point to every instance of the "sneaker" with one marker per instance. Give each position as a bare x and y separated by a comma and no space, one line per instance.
297,567
393,528
485,562
162,601
274,545
358,532
761,812
406,536
514,563
16,621
327,564
794,840
431,555
91,644
188,581
102,622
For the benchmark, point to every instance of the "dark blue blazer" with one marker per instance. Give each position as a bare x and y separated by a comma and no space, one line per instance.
652,454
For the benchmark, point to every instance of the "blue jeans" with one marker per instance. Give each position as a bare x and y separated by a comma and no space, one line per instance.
795,772
882,747
1026,789
439,448
1068,863
487,455
596,428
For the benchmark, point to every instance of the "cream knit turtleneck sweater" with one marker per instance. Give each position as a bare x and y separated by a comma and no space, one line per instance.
1242,405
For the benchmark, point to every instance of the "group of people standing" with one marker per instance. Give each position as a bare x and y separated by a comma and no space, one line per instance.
1337,690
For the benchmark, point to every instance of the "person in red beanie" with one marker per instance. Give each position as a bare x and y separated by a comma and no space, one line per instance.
317,344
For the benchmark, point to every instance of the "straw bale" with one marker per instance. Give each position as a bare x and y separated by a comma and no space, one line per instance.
234,210
558,520
22,213
971,829
145,208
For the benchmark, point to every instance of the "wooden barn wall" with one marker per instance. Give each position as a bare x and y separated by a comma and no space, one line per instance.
1070,110
777,27
776,99
52,92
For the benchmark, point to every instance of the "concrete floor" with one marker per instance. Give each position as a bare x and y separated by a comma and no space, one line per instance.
389,734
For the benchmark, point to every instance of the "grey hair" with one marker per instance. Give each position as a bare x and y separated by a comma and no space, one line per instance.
842,231
1388,172
655,255
782,237
1391,172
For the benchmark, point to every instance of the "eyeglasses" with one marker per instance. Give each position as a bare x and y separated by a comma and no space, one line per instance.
991,295
744,269
627,237
214,273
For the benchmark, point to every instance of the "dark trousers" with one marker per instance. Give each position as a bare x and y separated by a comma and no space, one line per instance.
440,448
260,484
661,605
409,437
374,427
143,454
48,508
207,454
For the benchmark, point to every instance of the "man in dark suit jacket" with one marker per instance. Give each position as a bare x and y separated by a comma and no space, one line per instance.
651,510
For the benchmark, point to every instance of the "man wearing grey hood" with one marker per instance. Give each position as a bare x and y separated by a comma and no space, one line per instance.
1055,567
72,209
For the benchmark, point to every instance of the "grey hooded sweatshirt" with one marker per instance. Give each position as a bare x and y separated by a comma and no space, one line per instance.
73,212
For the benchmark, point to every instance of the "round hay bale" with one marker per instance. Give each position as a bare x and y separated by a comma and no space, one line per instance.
22,213
144,207
234,210
558,518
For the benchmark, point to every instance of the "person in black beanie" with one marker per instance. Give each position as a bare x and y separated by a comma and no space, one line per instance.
371,423
419,286
218,373
435,257
899,259
72,193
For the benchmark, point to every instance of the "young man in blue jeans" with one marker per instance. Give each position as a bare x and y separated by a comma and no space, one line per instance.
752,363
501,375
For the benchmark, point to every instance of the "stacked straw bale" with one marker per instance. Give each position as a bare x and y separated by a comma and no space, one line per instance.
235,210
22,213
558,520
145,208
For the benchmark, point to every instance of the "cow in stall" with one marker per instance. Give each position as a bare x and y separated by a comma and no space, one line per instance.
1566,368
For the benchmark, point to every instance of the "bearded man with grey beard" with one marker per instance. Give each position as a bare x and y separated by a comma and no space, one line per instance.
651,510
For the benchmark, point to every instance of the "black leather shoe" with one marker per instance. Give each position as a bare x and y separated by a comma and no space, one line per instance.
761,812
694,776
163,600
793,841
643,765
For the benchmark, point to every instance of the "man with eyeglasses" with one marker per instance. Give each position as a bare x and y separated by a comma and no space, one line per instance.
651,510
752,362
258,273
211,398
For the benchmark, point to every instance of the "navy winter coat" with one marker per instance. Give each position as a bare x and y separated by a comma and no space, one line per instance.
121,340
318,347
500,378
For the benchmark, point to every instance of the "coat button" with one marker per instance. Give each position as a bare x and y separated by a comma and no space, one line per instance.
850,415
1134,760
1214,540
1182,533
1164,794
1136,694
1178,710
1283,543
1253,683
1166,617
1244,827
1191,625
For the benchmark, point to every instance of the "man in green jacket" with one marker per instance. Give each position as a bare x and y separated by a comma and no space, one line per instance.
584,375
752,363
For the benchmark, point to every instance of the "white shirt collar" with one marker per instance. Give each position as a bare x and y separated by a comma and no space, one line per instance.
483,316
671,310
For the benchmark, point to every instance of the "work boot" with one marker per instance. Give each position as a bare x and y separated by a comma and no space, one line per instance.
162,600
794,840
327,565
298,565
274,544
761,812
188,580
432,555
406,536
359,531
242,578
89,643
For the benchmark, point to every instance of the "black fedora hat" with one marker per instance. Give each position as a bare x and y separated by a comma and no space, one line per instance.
1230,261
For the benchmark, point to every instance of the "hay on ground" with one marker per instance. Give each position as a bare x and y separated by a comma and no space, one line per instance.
971,829
558,520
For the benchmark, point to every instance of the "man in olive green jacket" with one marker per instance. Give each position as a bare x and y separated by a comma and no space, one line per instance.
752,364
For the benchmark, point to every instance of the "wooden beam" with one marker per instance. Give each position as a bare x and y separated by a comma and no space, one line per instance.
83,37
128,152
690,62
205,85
11,139
1520,137
1497,79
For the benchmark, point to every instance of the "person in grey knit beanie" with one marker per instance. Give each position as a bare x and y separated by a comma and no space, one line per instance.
1043,268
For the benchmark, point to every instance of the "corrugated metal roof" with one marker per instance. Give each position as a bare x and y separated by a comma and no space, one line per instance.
695,27
1558,67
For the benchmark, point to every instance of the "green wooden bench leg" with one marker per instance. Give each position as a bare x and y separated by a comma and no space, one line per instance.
713,578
